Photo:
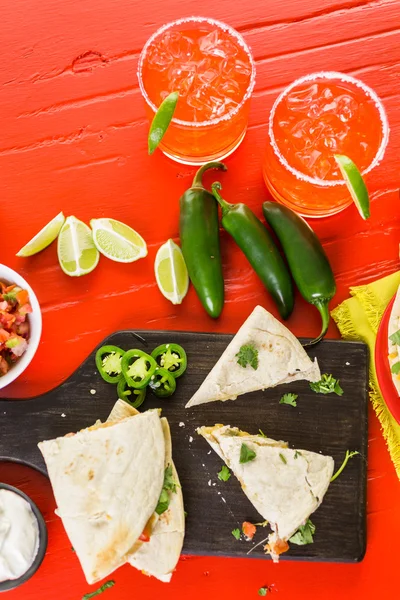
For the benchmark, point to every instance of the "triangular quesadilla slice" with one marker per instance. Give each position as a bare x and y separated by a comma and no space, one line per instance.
107,481
394,343
263,354
160,554
284,485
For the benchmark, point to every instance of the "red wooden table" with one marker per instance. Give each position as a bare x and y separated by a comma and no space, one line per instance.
73,138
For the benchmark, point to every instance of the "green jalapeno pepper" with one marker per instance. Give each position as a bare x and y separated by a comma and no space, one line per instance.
108,362
306,258
138,368
172,358
132,396
162,383
199,235
256,243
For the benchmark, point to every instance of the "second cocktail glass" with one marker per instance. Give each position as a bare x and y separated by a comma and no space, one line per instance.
211,67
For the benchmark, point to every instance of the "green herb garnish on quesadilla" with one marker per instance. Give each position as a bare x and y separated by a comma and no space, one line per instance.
262,434
169,486
283,459
248,355
297,454
103,588
327,385
395,338
395,368
289,399
224,474
304,534
246,454
236,534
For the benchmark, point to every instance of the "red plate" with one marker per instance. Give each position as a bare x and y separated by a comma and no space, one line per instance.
383,373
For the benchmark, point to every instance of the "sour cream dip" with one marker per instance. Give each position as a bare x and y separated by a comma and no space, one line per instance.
19,535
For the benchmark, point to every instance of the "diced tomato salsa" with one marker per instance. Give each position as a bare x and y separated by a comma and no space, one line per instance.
14,326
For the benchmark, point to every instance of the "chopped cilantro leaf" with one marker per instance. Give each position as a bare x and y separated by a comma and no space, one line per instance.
395,368
263,591
327,385
10,297
304,534
344,463
395,337
283,459
236,534
103,588
246,454
289,399
297,454
248,355
224,473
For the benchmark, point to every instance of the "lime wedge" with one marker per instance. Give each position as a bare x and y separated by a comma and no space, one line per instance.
77,253
161,121
117,241
44,238
171,272
355,183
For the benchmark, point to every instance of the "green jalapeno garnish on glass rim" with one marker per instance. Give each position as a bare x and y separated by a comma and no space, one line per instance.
137,368
172,358
108,362
132,396
161,121
162,383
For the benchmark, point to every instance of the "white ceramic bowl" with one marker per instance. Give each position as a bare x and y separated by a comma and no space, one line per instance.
35,322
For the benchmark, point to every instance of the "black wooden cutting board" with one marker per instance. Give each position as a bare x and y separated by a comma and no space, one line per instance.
328,424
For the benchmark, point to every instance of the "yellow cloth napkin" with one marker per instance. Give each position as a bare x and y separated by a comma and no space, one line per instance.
358,318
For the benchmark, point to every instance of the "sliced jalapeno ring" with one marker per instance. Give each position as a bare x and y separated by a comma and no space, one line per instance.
172,358
162,383
109,363
132,396
137,368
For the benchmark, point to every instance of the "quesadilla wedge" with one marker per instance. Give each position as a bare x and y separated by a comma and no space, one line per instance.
278,357
284,485
107,480
394,342
165,533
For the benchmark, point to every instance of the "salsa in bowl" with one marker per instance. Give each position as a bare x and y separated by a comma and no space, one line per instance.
20,325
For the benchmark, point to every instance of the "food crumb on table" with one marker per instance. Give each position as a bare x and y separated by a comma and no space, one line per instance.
190,439
93,392
181,424
63,415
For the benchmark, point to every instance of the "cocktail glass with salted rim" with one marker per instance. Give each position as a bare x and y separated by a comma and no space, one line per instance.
209,64
313,119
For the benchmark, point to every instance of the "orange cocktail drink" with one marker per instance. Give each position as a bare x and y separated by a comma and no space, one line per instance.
210,66
316,117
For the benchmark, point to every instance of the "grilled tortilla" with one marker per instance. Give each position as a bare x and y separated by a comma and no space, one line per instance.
394,349
281,359
159,556
107,481
284,485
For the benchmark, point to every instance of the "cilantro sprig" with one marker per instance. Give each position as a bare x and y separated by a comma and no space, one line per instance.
169,485
304,534
349,454
327,385
103,588
289,399
224,473
236,534
246,454
248,355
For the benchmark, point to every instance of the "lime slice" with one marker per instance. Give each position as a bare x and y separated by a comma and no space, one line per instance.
171,272
355,183
77,253
161,121
117,241
44,238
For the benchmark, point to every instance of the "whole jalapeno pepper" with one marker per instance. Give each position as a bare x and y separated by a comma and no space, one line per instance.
199,235
256,243
306,258
162,383
108,362
172,358
138,368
